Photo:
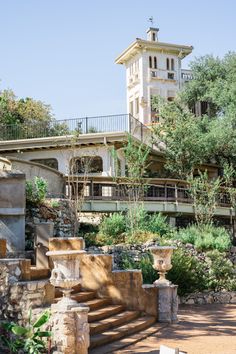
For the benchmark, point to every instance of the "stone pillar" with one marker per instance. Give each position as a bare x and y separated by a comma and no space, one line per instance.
167,303
70,327
44,231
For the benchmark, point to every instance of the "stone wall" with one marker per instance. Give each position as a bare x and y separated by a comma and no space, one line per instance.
17,296
54,210
209,297
12,208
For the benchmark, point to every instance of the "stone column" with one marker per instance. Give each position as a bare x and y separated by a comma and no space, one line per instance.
70,327
167,303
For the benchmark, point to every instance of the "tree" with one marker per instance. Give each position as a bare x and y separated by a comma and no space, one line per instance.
180,136
215,82
204,193
229,178
188,140
136,158
27,118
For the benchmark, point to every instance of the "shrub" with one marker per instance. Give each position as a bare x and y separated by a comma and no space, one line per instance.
36,190
204,238
221,274
28,339
145,264
116,228
157,224
112,228
187,272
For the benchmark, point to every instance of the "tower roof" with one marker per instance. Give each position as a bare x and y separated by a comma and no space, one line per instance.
140,44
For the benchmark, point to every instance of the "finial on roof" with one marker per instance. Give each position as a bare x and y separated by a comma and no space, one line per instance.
151,20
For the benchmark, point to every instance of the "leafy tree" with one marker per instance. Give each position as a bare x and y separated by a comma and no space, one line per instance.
214,82
136,158
204,193
188,140
180,136
27,118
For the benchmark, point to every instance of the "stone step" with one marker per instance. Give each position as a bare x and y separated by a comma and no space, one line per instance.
38,274
113,321
116,333
118,345
84,296
105,312
95,304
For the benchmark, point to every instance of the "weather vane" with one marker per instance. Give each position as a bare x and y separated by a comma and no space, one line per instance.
151,20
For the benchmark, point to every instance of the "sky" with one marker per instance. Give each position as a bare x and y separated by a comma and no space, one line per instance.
62,52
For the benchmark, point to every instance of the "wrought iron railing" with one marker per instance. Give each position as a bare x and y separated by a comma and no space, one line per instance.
85,125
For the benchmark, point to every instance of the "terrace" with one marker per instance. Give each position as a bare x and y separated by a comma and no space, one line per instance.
77,126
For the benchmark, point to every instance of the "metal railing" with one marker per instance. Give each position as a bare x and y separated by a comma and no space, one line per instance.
85,125
150,190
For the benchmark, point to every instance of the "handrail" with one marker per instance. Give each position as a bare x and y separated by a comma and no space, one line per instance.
84,125
111,190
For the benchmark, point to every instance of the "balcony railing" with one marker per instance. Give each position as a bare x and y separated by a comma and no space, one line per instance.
162,190
85,125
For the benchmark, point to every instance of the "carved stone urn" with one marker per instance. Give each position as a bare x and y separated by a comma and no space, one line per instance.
162,262
66,271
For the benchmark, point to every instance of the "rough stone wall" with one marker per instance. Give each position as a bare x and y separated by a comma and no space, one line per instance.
17,297
59,214
209,297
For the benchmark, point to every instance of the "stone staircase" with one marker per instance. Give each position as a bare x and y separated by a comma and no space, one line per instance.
112,327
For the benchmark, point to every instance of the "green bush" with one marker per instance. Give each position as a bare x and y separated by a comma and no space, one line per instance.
117,227
144,264
36,190
221,274
112,228
205,238
28,339
157,223
187,272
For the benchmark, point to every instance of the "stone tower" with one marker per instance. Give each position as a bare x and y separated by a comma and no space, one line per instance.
152,68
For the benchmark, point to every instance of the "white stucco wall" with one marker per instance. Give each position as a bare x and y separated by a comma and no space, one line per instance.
64,156
140,84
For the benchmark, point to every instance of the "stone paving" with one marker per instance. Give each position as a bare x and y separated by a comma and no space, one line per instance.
202,329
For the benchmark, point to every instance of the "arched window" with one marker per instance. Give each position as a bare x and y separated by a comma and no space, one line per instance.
167,64
155,62
53,163
150,62
172,64
86,164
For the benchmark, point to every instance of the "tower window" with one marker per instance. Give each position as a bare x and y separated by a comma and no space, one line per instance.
167,64
153,36
150,62
172,64
171,76
137,105
131,108
155,62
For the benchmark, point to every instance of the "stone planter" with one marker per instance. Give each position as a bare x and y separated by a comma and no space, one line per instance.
66,271
162,262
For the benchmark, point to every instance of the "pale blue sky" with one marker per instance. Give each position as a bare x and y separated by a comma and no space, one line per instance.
62,51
